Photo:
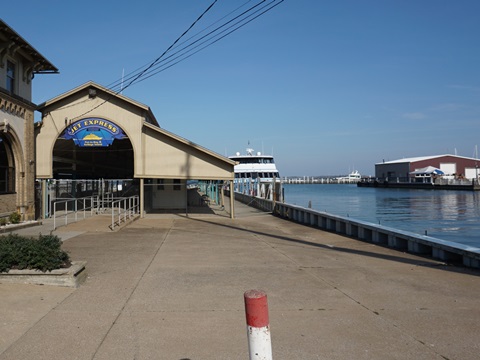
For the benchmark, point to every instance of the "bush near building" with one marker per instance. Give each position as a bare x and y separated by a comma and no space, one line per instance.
15,218
43,253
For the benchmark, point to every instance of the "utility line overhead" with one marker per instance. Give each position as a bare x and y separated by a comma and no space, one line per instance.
132,73
153,63
171,46
163,62
210,38
156,70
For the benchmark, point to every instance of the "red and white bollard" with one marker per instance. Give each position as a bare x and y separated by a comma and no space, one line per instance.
258,326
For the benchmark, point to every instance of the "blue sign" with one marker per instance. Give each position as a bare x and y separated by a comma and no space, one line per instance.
93,132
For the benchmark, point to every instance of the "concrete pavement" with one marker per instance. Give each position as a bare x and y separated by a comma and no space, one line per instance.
171,287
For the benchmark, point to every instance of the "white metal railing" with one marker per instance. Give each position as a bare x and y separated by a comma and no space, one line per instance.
104,201
463,182
124,209
71,209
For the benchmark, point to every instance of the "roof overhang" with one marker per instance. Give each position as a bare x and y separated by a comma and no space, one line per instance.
40,65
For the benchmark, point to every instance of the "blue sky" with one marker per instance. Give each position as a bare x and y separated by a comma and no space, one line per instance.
326,86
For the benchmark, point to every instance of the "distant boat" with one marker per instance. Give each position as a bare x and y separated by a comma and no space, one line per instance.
353,177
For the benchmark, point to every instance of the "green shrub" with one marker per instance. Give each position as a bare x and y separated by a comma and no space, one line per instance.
43,253
3,221
15,218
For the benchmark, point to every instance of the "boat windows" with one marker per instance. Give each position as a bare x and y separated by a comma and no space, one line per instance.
253,160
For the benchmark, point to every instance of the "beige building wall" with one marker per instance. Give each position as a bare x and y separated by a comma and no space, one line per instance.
166,155
16,125
60,112
158,154
17,119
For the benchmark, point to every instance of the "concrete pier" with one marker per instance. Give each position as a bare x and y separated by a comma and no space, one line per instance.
171,287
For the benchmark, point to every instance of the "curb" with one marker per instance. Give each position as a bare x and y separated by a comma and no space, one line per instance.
70,277
13,227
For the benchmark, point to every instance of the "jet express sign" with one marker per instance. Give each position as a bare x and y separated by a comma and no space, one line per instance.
93,132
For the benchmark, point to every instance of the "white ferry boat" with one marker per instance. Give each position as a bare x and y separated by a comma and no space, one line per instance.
353,177
256,175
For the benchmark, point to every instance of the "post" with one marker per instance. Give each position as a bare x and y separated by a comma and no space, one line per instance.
258,326
142,198
232,200
44,199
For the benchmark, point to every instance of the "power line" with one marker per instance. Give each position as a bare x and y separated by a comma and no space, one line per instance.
132,74
240,20
168,49
163,63
150,74
153,63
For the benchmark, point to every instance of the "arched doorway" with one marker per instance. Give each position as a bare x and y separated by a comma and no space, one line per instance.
93,148
7,166
92,156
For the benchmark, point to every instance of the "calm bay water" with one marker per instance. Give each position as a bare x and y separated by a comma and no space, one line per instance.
447,215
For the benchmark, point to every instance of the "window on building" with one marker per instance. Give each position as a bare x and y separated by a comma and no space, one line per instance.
160,185
10,86
176,184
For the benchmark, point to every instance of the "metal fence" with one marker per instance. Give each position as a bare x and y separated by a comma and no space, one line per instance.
67,211
124,209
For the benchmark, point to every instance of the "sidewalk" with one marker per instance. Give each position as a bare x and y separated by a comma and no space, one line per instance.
171,287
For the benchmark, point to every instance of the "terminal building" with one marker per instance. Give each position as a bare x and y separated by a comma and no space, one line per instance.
100,140
90,140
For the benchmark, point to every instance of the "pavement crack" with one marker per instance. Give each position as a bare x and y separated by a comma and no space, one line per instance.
122,310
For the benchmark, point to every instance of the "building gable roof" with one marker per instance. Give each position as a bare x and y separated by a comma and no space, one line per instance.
420,158
40,64
190,144
92,86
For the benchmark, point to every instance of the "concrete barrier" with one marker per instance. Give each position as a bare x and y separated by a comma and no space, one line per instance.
69,277
256,202
423,245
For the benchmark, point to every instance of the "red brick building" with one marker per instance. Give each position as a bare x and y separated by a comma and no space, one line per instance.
451,165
